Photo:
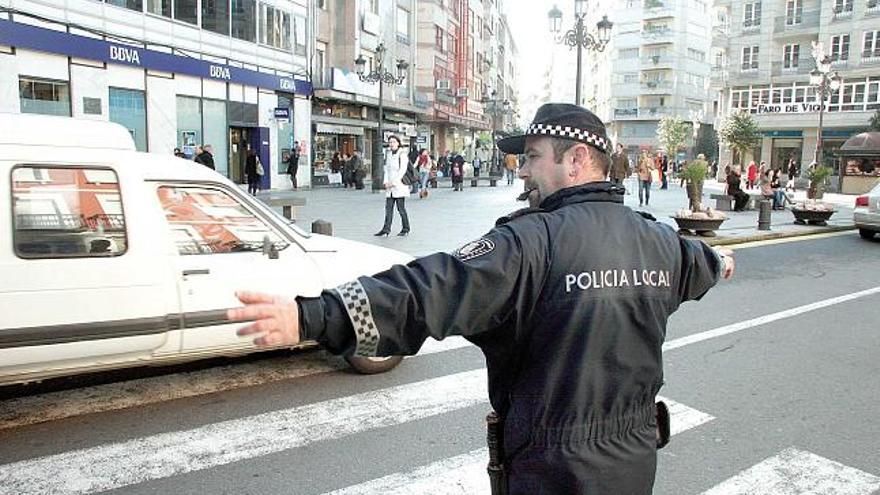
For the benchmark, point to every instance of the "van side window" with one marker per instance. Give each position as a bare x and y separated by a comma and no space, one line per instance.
210,221
64,212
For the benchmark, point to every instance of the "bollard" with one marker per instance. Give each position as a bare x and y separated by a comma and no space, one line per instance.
322,227
764,215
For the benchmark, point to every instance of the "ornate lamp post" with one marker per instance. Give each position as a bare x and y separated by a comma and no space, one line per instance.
826,83
383,77
578,37
495,107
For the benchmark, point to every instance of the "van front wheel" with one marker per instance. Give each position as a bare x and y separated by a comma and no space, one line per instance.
373,365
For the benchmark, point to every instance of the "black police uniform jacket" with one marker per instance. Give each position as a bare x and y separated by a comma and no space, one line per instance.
569,304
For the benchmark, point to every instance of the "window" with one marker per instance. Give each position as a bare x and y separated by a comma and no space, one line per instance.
752,15
471,22
215,16
698,55
159,7
794,10
210,221
871,44
439,39
790,56
299,35
629,53
320,67
843,6
750,58
403,25
67,212
128,4
274,27
373,5
244,15
44,97
128,108
840,48
187,11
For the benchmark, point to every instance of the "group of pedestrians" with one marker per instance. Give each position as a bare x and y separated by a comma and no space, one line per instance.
763,178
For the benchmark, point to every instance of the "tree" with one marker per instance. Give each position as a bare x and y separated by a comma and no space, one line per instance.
874,123
740,133
707,142
672,132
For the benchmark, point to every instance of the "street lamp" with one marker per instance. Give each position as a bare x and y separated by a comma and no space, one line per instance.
495,107
383,77
826,83
578,37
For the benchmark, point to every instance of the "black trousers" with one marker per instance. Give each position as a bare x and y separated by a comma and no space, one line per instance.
389,213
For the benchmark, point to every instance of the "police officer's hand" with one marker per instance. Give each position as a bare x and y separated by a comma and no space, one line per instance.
729,263
275,319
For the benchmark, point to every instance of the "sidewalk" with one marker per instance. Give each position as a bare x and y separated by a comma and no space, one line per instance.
447,219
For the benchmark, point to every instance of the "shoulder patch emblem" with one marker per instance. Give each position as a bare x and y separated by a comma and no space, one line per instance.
475,249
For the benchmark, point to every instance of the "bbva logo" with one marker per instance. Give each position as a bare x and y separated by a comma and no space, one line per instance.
287,84
127,55
220,72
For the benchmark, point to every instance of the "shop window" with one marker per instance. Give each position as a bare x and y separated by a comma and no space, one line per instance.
44,97
187,11
159,7
128,108
67,212
244,15
274,27
128,4
215,16
210,221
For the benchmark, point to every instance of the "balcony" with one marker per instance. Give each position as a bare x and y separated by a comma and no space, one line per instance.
797,25
658,62
624,113
840,14
657,35
657,88
720,34
656,9
873,8
871,58
778,69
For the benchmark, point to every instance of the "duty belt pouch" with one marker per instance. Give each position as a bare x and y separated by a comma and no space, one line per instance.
495,441
663,429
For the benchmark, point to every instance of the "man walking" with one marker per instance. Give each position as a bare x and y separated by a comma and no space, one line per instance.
568,301
293,165
510,164
620,168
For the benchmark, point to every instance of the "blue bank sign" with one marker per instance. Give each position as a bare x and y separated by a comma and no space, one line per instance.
48,40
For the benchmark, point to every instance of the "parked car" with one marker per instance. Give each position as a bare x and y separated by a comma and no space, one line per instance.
867,213
113,258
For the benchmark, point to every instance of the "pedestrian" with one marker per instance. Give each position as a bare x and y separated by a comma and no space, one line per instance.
395,190
792,174
360,170
252,170
734,188
477,163
423,167
751,175
347,171
206,156
336,163
645,172
457,171
664,171
776,188
683,165
511,163
293,165
443,164
571,328
620,167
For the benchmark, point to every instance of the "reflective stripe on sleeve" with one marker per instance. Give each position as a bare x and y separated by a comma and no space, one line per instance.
354,297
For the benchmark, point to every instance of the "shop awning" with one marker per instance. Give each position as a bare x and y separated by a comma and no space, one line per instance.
866,144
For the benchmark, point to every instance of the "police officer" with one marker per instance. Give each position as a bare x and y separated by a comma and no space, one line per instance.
567,299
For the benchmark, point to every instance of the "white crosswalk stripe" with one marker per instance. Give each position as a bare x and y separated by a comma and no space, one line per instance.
466,474
168,454
795,472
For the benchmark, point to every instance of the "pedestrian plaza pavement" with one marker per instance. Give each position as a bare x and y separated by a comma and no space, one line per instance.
447,219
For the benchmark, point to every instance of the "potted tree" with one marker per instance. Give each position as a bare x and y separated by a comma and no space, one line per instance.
702,221
817,176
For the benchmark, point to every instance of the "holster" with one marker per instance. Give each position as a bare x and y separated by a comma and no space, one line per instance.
663,427
495,441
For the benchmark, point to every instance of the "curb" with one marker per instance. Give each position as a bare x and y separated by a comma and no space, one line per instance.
728,241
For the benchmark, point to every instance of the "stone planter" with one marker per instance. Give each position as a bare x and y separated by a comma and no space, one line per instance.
812,217
703,227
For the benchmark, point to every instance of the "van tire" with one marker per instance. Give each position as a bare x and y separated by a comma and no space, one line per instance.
374,365
866,234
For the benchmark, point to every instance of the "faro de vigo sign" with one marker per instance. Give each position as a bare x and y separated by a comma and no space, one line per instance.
791,108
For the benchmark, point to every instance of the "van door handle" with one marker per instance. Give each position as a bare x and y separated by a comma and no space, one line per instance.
200,271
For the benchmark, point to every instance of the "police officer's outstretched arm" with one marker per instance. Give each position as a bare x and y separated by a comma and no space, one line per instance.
473,291
702,267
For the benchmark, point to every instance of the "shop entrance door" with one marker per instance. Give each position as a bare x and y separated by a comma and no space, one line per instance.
239,141
783,151
259,142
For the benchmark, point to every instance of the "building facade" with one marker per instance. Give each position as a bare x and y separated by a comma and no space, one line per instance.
656,65
345,109
764,52
229,73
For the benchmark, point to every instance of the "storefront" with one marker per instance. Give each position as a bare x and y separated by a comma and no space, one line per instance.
859,159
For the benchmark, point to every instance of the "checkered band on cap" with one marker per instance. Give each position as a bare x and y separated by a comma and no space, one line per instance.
568,132
354,297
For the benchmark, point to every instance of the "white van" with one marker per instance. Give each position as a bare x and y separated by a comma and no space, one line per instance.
112,258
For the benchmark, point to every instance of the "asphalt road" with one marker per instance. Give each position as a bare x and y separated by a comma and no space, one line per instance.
783,404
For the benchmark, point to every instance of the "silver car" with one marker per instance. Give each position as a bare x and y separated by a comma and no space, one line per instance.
867,213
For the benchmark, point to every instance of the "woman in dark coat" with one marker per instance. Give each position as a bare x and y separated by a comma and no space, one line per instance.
457,172
250,172
741,199
336,163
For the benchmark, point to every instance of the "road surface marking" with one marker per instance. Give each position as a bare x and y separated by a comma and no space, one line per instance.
466,474
53,406
795,472
159,456
763,320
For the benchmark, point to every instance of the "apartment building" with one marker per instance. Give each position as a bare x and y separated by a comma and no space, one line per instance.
764,54
345,109
657,64
230,73
466,55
